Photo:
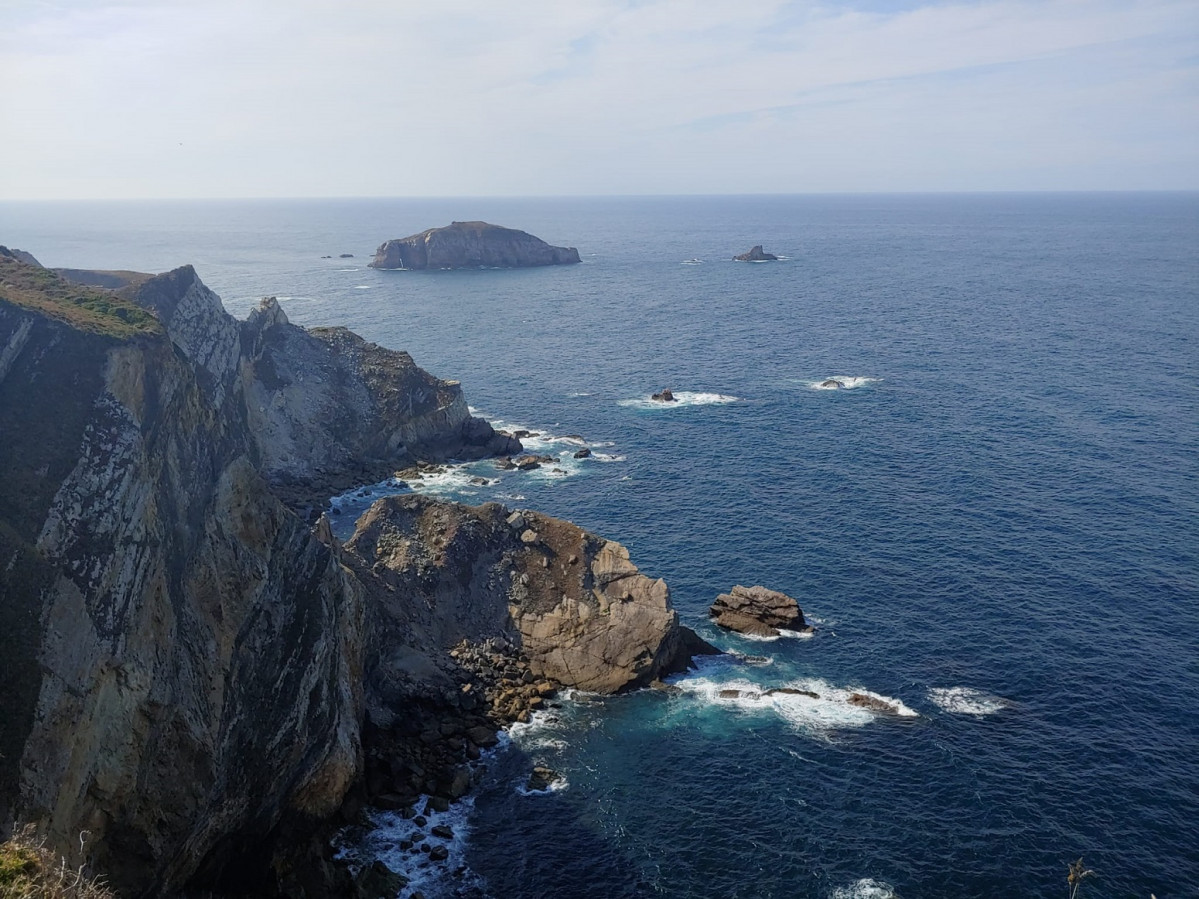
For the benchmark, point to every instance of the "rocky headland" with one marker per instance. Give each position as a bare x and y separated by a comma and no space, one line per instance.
471,245
201,678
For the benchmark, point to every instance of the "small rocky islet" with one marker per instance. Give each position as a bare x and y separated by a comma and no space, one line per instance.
470,245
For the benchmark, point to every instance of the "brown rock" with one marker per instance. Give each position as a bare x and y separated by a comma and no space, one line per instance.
758,611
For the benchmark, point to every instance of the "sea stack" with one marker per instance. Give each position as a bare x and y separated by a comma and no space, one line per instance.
471,245
756,255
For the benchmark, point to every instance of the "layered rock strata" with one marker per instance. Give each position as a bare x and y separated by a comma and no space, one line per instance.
471,245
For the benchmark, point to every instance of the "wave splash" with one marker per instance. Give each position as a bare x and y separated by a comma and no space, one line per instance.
682,399
811,705
967,701
866,888
842,382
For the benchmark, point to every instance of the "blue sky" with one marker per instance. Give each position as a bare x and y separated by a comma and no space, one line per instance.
235,98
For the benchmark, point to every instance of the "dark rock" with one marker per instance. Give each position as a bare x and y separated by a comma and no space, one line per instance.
379,882
792,691
471,245
438,854
758,611
443,831
833,383
872,703
666,396
542,779
755,255
583,453
346,256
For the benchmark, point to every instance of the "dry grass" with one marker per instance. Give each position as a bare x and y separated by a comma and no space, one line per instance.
30,870
84,308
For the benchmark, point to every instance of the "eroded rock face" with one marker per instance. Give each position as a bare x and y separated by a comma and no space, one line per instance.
471,245
574,603
758,611
169,611
184,658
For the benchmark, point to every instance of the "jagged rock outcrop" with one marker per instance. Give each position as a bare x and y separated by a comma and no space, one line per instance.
184,654
574,604
195,675
755,254
758,611
163,611
471,245
330,411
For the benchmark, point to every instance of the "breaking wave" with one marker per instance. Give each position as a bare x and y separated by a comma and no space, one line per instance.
967,701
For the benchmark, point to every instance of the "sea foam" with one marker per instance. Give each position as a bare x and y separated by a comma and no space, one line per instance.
967,701
682,400
846,382
866,888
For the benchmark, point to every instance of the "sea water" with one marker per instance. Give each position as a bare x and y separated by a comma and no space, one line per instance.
994,522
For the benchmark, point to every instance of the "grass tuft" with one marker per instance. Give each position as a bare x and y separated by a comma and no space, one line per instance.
30,870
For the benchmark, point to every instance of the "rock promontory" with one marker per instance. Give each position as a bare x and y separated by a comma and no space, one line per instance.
471,245
758,611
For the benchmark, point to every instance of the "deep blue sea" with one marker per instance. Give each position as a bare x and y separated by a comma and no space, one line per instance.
994,525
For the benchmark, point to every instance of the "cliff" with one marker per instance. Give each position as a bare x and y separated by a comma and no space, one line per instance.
196,676
471,245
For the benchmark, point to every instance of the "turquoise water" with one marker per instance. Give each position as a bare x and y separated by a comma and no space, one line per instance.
995,526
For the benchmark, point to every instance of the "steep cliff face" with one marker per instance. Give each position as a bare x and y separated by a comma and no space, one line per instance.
186,653
171,611
471,245
329,411
188,663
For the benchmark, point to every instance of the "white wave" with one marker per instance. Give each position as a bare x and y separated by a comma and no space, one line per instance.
842,382
363,286
967,701
383,840
344,270
578,393
692,262
682,399
557,785
866,888
829,708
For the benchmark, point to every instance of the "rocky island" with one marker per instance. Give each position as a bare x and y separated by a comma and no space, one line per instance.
198,675
471,245
755,254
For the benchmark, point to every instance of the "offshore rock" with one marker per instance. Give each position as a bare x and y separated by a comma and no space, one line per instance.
755,255
471,245
758,611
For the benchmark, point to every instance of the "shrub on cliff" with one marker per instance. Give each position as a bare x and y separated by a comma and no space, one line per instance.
28,869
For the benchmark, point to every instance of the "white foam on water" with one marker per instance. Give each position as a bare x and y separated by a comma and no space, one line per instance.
363,286
830,709
344,270
682,400
692,262
382,843
846,382
866,888
967,701
557,785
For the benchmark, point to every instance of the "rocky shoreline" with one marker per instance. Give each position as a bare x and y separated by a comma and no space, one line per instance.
201,675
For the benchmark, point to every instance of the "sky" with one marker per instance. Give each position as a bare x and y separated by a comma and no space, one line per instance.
392,98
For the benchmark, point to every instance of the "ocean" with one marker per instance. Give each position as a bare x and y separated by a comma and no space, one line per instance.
994,524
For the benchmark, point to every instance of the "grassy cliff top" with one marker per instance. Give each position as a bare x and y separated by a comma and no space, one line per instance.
84,308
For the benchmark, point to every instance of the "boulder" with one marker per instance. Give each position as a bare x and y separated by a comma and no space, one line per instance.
542,779
583,453
758,611
756,255
833,384
665,396
471,245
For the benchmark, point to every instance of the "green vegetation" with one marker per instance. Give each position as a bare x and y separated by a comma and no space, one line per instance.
28,870
85,308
